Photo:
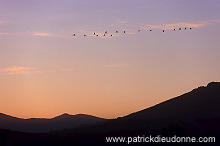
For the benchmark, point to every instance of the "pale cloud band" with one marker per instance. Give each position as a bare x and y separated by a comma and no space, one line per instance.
44,34
16,70
180,24
2,33
19,70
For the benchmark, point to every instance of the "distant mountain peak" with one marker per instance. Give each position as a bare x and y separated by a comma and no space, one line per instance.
213,84
65,115
39,125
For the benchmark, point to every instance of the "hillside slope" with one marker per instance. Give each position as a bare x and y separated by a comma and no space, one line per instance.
36,125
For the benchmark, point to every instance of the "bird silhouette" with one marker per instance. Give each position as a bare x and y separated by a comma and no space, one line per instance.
94,33
139,30
74,34
190,28
97,35
106,32
116,31
179,28
150,30
185,28
124,31
163,30
84,35
111,34
174,29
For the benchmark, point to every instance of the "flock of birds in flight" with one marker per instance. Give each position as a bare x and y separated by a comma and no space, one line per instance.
106,32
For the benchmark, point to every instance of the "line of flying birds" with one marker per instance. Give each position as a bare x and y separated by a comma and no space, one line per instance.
106,32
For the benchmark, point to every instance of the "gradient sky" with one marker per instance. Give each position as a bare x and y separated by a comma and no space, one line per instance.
45,71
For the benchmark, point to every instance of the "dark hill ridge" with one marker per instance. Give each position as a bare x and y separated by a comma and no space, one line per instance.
78,116
202,102
199,105
8,117
39,125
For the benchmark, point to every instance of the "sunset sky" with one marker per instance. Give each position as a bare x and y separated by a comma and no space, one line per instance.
45,71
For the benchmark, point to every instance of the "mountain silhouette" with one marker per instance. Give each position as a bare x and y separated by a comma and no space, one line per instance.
200,103
195,114
41,125
197,106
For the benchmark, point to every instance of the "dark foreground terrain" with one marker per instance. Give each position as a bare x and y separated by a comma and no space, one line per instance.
40,125
194,114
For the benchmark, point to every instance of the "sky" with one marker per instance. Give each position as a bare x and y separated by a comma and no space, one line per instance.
45,71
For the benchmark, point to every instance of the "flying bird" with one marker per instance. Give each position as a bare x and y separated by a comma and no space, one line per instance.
84,35
179,28
74,34
174,29
150,30
163,30
116,31
124,31
94,33
106,32
139,30
190,28
185,28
